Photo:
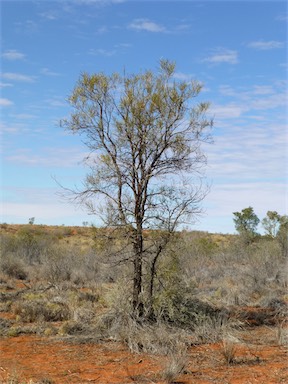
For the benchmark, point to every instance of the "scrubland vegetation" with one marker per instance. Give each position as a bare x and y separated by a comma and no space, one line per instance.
139,280
61,282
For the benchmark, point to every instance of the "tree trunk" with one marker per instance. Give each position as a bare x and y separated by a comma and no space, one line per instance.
151,314
138,306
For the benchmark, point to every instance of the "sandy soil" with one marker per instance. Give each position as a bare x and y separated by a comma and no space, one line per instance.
258,359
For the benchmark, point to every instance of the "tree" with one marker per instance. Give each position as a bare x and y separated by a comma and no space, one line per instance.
246,223
282,235
271,223
144,134
31,220
276,226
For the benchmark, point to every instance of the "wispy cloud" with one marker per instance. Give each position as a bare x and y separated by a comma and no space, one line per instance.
5,102
146,25
248,153
24,116
55,101
222,55
49,15
12,54
117,48
247,162
102,52
4,85
15,128
48,72
18,77
100,3
226,198
49,157
27,27
263,89
258,97
265,45
228,111
283,17
183,76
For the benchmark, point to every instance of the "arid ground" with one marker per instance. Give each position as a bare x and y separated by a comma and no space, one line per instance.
257,358
41,342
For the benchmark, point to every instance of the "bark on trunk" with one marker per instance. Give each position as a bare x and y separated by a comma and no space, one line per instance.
138,306
151,314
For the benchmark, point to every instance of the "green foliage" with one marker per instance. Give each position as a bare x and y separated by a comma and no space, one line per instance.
175,297
31,220
282,235
276,226
246,223
271,223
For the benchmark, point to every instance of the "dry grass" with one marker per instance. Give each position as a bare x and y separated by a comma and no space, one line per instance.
228,350
175,364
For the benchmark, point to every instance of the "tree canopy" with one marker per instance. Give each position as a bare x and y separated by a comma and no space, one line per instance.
246,223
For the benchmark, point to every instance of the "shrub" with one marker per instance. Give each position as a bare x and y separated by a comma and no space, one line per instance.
72,328
13,268
32,311
58,264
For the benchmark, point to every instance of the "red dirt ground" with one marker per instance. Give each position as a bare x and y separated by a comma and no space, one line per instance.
258,360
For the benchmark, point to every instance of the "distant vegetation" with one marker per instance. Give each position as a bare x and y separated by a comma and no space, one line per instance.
74,275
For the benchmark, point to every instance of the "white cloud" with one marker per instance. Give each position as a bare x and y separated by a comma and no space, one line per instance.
228,111
5,102
266,45
4,85
12,54
102,52
24,116
15,128
56,102
48,72
257,98
18,77
222,55
183,76
283,17
263,89
269,102
49,15
97,2
117,48
49,157
249,151
146,25
247,164
27,27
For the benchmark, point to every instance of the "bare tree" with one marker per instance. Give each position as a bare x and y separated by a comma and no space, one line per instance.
144,133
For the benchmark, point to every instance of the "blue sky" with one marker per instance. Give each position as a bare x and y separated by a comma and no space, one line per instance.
237,49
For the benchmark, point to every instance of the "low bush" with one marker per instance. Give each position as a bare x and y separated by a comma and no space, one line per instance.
33,311
175,365
13,267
